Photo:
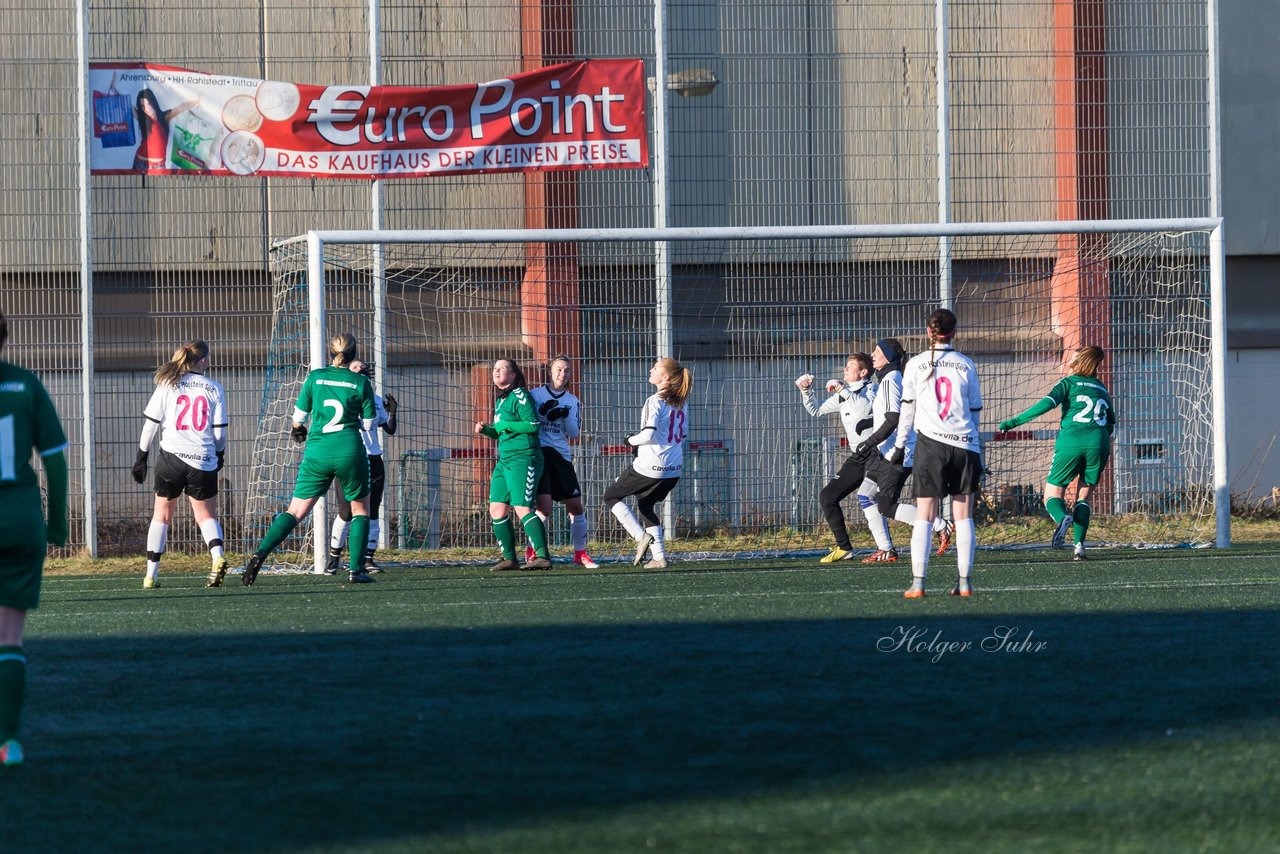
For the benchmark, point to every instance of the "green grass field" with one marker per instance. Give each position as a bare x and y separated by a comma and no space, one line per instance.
760,706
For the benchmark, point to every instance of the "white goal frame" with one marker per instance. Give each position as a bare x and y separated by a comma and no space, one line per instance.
317,240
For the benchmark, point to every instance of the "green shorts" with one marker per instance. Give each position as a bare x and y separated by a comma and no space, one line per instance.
1074,461
22,548
315,475
515,479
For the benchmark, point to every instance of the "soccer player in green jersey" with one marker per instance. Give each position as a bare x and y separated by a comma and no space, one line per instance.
341,402
519,467
1083,445
27,421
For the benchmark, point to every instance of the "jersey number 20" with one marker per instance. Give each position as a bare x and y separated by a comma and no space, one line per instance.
1094,410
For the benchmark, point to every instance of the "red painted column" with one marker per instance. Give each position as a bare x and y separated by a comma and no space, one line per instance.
1081,288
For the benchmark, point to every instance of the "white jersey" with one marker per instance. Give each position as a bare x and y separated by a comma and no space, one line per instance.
889,399
854,405
372,441
193,416
660,442
941,399
559,419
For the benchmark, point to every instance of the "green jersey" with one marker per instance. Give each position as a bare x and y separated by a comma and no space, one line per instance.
27,420
1087,414
515,423
337,400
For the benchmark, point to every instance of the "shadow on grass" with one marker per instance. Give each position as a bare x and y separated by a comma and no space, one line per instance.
282,741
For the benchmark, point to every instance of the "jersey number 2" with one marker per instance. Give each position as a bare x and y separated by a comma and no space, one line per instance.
334,424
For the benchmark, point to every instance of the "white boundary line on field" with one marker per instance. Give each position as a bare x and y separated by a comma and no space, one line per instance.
762,594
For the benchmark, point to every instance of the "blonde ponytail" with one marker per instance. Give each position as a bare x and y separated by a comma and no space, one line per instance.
185,360
342,349
680,381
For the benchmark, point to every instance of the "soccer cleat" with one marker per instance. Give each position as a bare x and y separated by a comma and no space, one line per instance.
11,753
331,563
642,548
881,556
1079,555
538,563
360,577
944,537
656,563
505,565
914,593
218,573
529,554
962,588
584,560
836,554
251,568
150,583
370,565
1060,535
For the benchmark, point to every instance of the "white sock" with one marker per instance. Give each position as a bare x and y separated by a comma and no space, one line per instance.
905,513
157,534
374,529
966,545
921,545
656,549
879,527
211,530
622,513
578,530
339,537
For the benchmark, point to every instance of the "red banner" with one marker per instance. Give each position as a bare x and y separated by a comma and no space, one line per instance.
577,115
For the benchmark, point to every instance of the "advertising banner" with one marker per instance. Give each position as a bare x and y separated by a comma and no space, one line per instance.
155,119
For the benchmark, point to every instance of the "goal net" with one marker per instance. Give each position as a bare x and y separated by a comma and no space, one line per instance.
748,311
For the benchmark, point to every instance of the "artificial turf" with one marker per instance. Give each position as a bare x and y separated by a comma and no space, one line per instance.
756,706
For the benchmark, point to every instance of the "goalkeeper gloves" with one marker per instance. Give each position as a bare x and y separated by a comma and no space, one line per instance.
299,433
1007,424
140,466
390,404
558,413
897,456
863,452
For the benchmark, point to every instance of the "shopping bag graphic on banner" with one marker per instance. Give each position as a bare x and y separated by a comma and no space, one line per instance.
113,118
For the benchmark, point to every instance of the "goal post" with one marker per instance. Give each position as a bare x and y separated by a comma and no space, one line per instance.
753,308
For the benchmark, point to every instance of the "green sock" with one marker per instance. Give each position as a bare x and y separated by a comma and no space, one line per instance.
282,527
537,533
1080,516
358,541
506,537
13,681
1057,509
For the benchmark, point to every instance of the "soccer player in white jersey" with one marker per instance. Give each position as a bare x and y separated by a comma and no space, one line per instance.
879,493
191,411
385,407
659,460
559,421
941,399
852,398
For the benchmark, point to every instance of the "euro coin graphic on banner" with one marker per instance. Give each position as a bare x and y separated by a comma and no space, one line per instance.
277,100
243,152
241,113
